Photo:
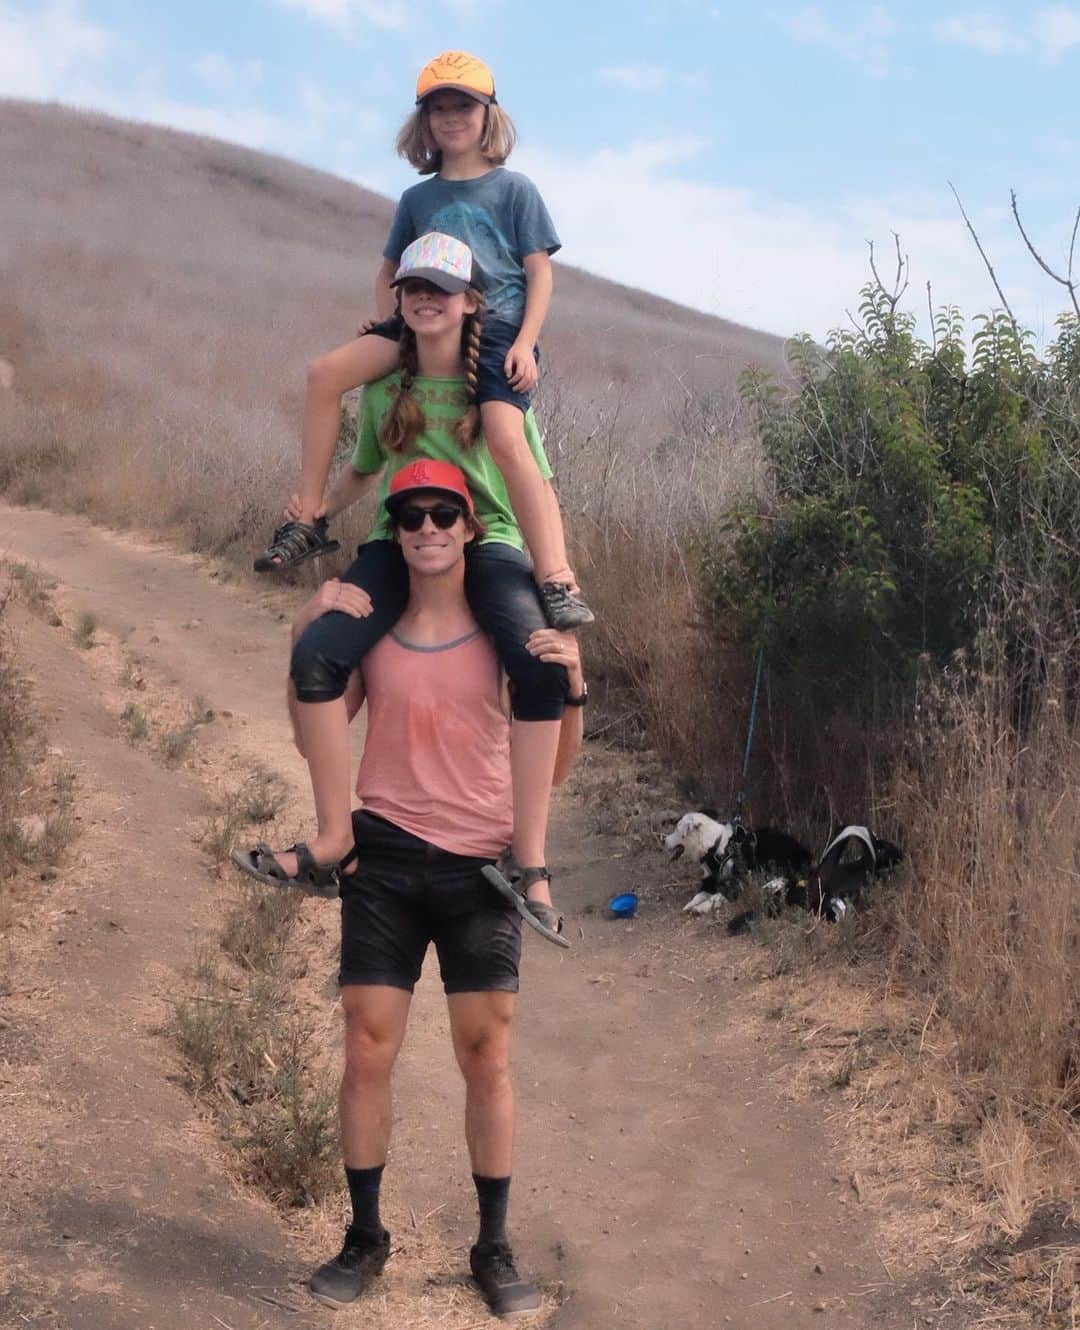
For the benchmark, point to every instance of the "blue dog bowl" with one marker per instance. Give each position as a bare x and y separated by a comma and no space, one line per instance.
624,906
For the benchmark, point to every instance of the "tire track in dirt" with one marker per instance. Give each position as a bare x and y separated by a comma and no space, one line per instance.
662,1179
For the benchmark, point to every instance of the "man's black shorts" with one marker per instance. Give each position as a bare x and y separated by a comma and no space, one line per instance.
406,893
496,338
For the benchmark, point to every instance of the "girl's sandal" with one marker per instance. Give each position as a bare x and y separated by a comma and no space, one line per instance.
563,609
295,543
312,878
512,882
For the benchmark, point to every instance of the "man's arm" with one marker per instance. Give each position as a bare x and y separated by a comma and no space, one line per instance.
563,649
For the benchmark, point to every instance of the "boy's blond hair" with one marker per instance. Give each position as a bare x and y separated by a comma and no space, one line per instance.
414,142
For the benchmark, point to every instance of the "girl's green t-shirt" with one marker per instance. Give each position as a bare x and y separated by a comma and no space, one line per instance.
443,402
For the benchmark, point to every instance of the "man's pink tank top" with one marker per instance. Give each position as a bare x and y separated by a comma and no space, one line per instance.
437,754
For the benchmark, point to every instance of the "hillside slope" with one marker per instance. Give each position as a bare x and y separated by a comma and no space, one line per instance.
196,278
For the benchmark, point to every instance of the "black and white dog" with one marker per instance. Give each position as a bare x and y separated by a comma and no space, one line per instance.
729,852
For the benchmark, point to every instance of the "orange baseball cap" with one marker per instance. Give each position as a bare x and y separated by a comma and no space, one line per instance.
457,70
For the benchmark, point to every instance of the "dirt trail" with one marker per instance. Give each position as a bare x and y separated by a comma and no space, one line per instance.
662,1180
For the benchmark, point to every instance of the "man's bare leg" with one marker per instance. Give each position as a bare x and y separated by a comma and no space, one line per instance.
375,1020
480,1027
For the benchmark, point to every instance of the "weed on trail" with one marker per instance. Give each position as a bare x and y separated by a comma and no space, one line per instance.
31,587
37,799
84,633
134,720
245,1045
240,1032
258,799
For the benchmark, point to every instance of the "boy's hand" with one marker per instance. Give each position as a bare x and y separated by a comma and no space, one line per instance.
520,366
294,510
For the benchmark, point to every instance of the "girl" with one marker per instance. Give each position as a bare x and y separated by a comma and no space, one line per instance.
460,137
427,408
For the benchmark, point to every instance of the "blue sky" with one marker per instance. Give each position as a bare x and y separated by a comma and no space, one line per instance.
735,157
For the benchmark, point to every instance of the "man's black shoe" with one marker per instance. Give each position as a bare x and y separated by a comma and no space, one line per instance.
342,1280
508,1293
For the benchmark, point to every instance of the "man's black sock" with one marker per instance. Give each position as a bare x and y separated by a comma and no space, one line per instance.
493,1195
364,1192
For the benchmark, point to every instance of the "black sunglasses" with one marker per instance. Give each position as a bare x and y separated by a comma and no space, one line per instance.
444,515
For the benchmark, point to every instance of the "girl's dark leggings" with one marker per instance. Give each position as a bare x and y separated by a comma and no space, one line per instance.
504,600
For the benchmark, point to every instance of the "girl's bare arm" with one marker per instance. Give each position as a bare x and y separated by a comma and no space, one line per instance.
539,284
562,649
385,295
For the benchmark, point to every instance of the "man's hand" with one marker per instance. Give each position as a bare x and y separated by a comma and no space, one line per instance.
520,367
367,325
294,510
558,648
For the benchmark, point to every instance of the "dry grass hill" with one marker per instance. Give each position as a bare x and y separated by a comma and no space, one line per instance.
171,289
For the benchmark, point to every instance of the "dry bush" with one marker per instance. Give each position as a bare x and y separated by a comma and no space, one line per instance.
246,1045
258,926
989,924
14,730
993,914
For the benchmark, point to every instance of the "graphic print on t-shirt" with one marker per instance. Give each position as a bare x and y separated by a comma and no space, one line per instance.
478,229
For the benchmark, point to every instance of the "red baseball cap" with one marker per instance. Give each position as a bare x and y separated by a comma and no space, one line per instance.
427,473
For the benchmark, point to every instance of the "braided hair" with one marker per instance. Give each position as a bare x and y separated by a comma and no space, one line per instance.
468,427
405,421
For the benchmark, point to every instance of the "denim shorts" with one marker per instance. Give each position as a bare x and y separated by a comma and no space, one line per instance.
496,338
407,893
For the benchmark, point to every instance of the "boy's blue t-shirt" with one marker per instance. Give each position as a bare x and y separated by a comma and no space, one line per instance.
500,216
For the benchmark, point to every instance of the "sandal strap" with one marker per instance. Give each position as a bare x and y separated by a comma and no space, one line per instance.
296,538
309,870
529,876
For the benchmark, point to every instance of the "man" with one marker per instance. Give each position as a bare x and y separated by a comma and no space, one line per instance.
435,784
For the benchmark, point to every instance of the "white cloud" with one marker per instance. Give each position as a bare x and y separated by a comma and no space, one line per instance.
40,50
757,259
864,36
347,15
221,74
1052,31
1057,30
982,30
637,78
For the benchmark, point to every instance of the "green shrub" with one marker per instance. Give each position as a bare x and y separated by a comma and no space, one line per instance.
917,491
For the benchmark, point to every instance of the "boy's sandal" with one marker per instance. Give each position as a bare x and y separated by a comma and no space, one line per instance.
512,882
562,608
313,878
293,544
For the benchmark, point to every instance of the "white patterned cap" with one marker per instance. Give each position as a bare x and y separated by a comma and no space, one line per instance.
437,258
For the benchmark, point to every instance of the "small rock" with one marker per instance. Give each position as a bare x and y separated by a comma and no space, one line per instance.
31,829
744,1275
819,1269
48,874
55,752
192,623
818,1307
